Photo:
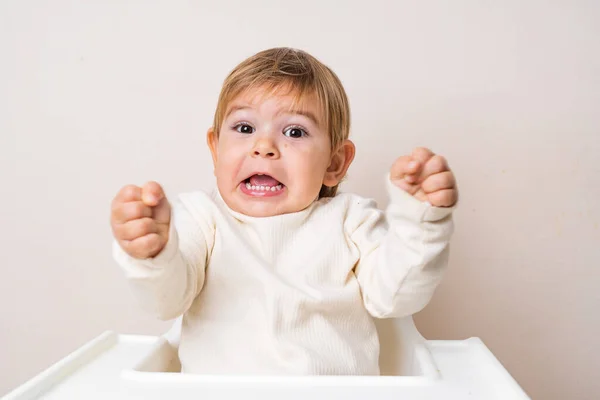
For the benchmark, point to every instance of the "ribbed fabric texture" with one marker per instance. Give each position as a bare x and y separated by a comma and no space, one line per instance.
294,293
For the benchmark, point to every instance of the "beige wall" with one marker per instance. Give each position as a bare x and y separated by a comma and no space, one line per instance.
96,95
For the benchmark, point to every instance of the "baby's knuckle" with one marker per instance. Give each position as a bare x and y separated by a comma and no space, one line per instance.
117,224
154,242
129,248
129,189
435,195
130,232
141,248
454,196
115,210
398,163
148,224
446,178
137,210
423,152
452,179
144,243
438,162
131,192
118,232
116,202
143,227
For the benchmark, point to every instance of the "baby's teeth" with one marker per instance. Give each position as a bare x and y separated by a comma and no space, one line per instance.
249,186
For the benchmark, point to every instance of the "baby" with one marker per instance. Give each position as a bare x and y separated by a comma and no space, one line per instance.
274,272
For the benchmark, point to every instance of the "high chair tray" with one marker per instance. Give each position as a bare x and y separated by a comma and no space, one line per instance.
114,366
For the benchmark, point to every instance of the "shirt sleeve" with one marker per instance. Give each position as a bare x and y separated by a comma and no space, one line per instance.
167,284
403,252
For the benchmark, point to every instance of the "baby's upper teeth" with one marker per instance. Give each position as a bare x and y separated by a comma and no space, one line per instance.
249,186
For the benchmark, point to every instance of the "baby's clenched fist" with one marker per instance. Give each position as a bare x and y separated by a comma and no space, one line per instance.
427,177
140,218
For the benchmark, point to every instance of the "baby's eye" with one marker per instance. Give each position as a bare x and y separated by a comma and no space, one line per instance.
294,132
244,128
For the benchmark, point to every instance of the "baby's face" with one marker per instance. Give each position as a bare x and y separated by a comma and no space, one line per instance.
270,160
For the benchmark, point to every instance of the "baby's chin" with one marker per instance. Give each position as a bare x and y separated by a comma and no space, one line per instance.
258,208
262,207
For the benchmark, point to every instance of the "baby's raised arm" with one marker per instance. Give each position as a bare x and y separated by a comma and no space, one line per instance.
404,250
162,248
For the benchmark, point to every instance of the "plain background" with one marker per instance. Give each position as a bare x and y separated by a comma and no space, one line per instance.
95,95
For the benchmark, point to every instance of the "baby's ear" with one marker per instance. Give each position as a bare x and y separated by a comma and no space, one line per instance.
212,140
340,162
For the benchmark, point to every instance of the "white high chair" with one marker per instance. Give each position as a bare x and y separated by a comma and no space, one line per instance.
147,367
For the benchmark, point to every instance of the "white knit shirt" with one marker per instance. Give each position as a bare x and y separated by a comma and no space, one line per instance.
294,293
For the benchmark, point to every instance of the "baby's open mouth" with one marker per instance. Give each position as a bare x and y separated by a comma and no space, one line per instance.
264,183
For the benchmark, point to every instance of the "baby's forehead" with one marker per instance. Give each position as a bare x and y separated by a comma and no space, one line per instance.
280,101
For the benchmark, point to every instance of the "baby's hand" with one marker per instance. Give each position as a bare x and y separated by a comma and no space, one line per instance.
427,177
140,219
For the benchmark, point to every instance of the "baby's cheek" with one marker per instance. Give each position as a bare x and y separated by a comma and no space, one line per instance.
307,180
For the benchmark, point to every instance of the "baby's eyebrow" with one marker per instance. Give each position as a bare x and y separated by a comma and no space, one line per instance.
304,113
236,108
311,116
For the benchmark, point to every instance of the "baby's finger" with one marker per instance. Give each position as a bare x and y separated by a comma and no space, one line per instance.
129,211
404,166
128,193
411,178
407,186
434,165
162,212
135,229
152,193
441,181
143,247
422,155
443,198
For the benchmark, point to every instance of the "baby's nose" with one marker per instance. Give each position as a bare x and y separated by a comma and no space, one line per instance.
265,148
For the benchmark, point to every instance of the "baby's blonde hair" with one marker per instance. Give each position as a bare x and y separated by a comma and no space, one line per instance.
299,74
